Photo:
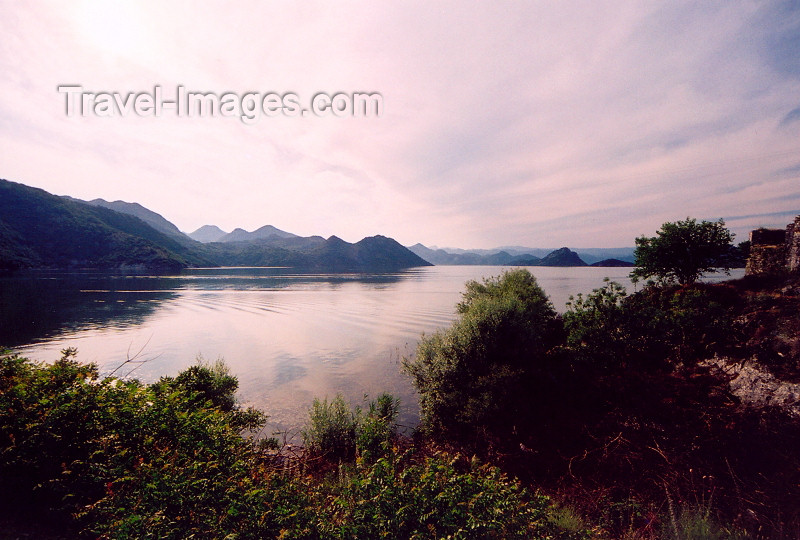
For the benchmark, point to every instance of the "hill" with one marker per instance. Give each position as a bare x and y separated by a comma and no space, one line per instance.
267,231
517,255
488,258
157,221
207,233
371,254
38,229
41,230
561,257
613,263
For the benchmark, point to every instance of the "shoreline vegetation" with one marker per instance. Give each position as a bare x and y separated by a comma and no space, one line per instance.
611,421
667,413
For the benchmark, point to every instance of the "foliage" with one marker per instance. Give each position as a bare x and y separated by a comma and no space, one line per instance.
338,433
439,496
683,251
331,430
125,460
657,328
377,429
155,461
595,324
698,524
490,369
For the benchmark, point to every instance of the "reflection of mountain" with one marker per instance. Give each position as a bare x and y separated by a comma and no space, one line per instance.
36,305
41,230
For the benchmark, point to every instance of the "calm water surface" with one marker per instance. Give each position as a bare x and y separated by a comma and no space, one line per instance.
288,337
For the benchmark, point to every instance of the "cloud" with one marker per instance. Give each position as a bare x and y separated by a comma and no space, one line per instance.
538,124
792,116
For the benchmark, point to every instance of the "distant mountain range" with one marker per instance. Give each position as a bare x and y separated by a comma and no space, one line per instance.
38,229
521,256
212,233
41,230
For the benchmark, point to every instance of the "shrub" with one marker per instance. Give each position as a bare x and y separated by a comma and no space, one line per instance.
125,459
331,430
376,428
596,326
440,496
490,370
653,329
339,433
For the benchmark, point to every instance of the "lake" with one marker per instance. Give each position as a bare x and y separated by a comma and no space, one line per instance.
288,337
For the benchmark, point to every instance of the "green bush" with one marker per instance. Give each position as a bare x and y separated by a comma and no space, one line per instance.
119,459
126,460
490,371
331,430
653,329
339,433
683,251
439,496
376,428
596,326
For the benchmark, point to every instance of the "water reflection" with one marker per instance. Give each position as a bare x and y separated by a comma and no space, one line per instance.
288,337
37,305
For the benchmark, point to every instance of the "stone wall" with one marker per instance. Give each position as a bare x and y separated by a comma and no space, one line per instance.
774,251
766,260
793,245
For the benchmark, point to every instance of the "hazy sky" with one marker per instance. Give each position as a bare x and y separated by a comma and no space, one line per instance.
515,123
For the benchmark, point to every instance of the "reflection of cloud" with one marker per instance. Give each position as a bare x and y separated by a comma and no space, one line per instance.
286,371
544,124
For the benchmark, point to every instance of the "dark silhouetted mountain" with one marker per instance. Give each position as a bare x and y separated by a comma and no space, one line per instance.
561,257
241,235
382,253
442,257
207,233
613,263
593,255
157,221
38,229
372,254
525,260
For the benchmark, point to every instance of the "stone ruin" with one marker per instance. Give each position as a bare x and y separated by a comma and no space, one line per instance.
774,251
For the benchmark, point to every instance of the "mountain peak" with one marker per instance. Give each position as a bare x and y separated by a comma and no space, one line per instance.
562,257
241,235
207,233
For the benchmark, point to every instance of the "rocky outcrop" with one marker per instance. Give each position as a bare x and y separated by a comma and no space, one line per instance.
757,386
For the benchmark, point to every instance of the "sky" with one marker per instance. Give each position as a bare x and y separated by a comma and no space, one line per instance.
539,124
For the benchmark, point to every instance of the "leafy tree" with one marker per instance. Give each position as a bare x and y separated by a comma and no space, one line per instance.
683,251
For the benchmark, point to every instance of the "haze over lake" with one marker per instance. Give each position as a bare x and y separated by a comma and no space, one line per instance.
288,337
